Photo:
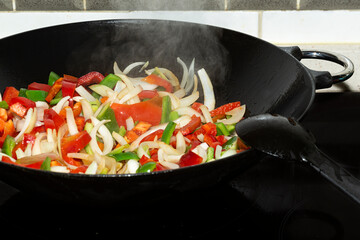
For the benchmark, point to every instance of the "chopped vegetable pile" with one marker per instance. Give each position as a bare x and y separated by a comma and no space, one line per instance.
117,124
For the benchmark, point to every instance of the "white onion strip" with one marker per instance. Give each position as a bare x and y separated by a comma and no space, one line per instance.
28,117
209,96
236,115
135,64
185,73
70,120
57,108
120,139
189,100
190,111
105,134
206,113
84,93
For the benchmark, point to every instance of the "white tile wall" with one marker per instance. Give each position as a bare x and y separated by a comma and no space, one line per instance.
16,22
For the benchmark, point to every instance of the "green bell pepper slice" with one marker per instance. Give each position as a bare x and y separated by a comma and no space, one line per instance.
110,80
147,167
168,132
4,104
8,145
166,109
36,95
108,113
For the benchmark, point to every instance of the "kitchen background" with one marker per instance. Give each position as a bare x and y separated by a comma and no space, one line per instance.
331,25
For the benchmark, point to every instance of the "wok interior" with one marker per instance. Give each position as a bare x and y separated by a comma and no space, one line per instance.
241,67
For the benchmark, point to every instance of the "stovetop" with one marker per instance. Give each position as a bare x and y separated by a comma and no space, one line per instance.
276,199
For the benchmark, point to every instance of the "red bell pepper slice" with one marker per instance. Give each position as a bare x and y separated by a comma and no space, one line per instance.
51,114
55,88
49,123
194,123
68,88
144,94
151,136
27,103
6,128
155,79
190,158
19,109
211,140
224,108
148,111
39,86
73,144
90,78
196,106
10,93
210,128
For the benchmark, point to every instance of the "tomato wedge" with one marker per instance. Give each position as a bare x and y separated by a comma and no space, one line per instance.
148,111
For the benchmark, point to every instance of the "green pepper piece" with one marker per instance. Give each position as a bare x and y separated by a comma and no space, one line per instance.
122,131
8,145
52,78
166,109
159,73
168,132
46,165
210,154
118,150
108,113
95,95
173,116
147,167
22,92
230,144
221,129
36,95
4,104
55,101
231,127
124,156
110,80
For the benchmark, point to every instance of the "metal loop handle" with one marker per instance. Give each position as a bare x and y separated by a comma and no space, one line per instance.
336,58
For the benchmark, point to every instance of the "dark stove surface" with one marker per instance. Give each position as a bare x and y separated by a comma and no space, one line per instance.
276,199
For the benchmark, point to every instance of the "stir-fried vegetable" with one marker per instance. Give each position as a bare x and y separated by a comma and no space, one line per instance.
116,123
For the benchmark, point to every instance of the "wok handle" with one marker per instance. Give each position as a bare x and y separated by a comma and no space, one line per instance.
341,76
324,79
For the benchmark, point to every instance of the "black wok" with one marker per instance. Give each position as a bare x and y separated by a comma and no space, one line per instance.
262,76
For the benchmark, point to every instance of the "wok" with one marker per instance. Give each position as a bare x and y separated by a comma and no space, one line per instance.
242,68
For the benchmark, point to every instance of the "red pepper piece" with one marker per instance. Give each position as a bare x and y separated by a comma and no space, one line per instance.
211,140
148,94
55,88
19,109
155,79
190,158
90,78
10,93
224,108
27,103
6,128
49,123
73,144
210,128
39,86
196,106
51,114
194,123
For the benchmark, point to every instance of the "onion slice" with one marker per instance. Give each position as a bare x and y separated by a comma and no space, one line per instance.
209,96
71,122
236,115
28,117
105,134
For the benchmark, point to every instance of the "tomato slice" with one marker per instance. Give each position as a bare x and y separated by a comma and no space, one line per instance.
10,93
90,78
148,111
144,94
